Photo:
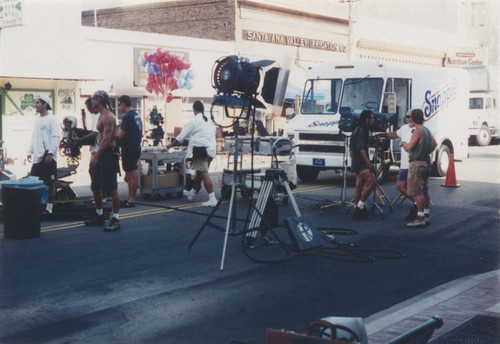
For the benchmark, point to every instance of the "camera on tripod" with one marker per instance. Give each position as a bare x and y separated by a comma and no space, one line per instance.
156,133
68,147
381,121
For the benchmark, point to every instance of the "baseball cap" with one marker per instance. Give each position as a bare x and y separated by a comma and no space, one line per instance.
45,99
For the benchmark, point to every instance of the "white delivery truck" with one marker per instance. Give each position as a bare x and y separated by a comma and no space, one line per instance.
336,89
484,118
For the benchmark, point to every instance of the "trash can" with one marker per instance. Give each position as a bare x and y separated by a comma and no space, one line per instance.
22,208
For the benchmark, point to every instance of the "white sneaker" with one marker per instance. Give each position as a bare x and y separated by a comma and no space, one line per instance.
189,194
210,203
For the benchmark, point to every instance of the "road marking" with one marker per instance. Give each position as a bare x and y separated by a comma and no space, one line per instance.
77,224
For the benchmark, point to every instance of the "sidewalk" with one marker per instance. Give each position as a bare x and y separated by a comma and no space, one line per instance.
455,302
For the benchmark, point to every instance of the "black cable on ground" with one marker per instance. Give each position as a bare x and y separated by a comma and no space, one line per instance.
184,210
337,250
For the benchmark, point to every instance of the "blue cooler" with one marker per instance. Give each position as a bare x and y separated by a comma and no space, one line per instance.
22,207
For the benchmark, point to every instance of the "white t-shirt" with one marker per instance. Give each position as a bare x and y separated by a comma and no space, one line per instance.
405,133
200,133
46,136
95,146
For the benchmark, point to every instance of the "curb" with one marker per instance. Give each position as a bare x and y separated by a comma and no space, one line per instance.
390,316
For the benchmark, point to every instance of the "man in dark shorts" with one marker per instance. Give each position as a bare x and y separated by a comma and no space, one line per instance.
130,136
104,164
361,165
44,147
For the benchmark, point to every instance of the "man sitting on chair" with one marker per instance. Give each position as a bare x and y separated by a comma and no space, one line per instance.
361,165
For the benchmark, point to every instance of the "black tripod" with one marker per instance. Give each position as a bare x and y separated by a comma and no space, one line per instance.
378,192
274,178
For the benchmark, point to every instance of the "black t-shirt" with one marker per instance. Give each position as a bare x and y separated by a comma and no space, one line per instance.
359,141
132,124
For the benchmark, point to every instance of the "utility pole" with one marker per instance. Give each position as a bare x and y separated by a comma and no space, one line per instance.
351,41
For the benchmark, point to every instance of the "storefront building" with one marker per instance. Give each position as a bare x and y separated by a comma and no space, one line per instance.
71,53
40,53
297,36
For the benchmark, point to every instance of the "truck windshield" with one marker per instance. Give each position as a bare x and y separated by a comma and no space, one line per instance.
361,94
321,96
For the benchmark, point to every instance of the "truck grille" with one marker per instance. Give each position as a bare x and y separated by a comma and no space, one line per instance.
320,137
321,143
321,149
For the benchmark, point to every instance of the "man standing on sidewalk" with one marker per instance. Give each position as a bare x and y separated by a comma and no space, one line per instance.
130,137
421,145
104,164
44,147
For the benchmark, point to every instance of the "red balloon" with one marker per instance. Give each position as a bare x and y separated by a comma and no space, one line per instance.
148,57
170,97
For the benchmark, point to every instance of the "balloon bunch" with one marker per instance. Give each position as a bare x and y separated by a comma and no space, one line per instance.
166,72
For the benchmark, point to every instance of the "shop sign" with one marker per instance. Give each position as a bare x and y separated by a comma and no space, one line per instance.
22,102
275,38
66,96
462,57
11,13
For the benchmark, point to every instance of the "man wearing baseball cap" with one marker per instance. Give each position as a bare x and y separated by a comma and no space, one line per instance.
44,147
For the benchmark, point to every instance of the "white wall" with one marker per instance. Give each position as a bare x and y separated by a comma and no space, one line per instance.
108,55
47,45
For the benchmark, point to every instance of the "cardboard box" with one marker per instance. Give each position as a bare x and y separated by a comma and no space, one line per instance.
166,180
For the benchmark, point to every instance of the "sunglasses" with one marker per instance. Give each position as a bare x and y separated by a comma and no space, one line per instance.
408,116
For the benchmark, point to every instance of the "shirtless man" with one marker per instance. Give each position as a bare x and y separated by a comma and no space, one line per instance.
104,164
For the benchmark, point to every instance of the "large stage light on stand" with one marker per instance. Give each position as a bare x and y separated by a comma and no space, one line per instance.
234,75
245,85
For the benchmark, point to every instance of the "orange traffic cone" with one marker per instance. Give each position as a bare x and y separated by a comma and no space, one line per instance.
451,179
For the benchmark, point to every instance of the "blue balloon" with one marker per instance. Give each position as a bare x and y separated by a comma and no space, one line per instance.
141,61
183,73
191,74
189,84
181,82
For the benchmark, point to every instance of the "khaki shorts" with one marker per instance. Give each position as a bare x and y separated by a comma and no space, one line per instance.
201,165
418,175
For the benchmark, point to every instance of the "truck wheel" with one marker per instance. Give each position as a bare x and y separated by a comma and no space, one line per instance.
483,138
440,166
307,173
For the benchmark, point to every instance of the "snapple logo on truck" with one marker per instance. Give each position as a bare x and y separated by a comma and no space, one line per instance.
434,102
316,124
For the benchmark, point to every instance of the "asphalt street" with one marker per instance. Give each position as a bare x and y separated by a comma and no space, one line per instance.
76,284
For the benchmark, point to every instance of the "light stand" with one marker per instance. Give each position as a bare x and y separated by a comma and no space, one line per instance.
342,201
235,186
245,85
